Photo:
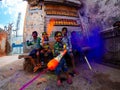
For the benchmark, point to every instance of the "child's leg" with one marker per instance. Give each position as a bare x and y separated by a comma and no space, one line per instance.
57,72
35,53
42,57
32,61
38,65
50,54
65,69
73,63
69,79
73,60
38,57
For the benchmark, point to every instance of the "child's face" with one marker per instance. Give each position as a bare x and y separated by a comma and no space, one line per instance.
45,36
64,32
34,35
58,37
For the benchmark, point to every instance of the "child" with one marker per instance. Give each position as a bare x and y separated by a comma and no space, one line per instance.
35,53
58,47
67,41
46,51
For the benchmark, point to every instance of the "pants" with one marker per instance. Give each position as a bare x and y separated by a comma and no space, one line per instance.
61,66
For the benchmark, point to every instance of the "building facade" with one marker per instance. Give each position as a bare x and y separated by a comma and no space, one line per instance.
51,16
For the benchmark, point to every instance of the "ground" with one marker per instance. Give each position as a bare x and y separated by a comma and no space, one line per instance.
13,77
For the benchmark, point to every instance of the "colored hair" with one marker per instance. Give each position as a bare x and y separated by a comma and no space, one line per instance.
44,33
57,32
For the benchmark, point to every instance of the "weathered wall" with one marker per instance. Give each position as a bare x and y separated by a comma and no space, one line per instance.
59,16
100,15
34,21
3,39
39,17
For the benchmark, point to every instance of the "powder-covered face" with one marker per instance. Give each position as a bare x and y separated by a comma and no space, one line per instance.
34,35
45,37
58,37
64,32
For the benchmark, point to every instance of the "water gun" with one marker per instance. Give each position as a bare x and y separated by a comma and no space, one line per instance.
52,64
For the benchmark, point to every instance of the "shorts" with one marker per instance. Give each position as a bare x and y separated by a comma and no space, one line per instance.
33,52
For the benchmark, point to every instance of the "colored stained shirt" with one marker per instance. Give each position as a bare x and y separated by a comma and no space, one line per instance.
67,41
35,43
45,43
58,46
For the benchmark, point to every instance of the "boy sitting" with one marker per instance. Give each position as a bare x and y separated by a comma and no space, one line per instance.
58,47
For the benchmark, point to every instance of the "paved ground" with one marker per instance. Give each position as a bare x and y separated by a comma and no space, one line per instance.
12,77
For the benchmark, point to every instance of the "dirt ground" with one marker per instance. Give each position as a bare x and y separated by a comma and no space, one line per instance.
13,77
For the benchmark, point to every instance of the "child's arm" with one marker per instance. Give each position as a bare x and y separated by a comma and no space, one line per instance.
56,49
29,43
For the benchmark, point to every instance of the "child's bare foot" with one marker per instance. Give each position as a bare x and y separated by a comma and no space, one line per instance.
36,68
59,83
69,80
39,65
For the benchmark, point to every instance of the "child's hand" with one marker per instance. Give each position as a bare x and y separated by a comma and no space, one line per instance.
27,41
64,47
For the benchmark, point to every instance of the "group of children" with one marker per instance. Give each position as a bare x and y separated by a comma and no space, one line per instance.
40,50
62,42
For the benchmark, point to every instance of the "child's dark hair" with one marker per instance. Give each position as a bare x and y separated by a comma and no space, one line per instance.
64,28
44,33
34,32
57,32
